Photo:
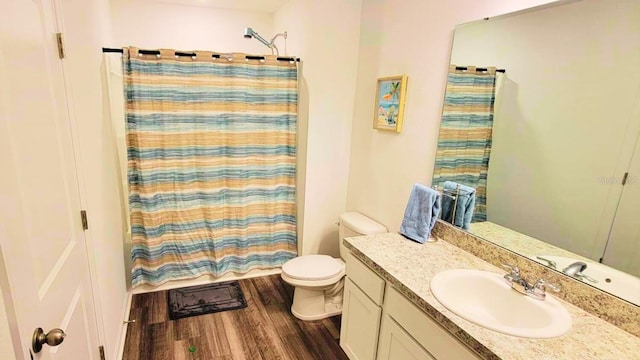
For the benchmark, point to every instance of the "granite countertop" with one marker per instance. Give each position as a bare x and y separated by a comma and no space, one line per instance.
409,266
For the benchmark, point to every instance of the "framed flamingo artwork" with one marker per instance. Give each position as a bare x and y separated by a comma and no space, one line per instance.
390,97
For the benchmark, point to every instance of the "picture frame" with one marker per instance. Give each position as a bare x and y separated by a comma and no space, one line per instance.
388,113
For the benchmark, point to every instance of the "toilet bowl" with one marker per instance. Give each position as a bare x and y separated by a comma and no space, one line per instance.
318,282
319,279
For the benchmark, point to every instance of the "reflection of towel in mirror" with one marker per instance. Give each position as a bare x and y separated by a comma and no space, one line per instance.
421,213
464,208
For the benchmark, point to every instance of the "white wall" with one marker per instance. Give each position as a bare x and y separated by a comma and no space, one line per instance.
86,27
325,34
345,46
410,37
561,117
154,25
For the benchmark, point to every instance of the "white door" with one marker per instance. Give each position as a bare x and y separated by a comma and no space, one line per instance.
623,248
41,236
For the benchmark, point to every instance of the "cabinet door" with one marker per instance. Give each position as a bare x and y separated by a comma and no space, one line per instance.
395,343
360,324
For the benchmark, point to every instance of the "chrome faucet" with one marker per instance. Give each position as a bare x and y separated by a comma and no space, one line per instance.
537,291
576,270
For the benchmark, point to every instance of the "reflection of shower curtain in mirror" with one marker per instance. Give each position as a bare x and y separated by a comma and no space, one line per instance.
464,143
212,164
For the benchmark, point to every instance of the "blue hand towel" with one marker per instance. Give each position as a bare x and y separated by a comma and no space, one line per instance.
421,214
465,207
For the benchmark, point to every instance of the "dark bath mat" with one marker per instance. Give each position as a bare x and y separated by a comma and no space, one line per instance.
205,299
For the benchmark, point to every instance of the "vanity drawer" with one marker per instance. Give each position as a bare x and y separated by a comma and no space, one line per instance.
436,340
366,279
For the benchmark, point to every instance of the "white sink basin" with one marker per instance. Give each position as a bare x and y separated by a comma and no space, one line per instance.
484,298
608,279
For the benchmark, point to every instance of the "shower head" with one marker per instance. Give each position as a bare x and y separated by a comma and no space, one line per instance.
250,33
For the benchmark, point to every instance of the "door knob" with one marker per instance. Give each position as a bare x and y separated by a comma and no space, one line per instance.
52,338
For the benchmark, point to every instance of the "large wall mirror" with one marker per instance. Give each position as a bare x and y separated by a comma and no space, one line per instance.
541,128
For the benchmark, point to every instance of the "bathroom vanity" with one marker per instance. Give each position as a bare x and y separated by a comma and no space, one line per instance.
378,318
390,313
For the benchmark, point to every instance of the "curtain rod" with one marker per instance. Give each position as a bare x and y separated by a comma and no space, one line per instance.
479,69
189,54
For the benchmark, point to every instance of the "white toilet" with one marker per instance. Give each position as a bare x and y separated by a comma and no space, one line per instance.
319,279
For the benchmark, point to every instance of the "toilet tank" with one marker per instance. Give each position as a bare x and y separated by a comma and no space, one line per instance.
356,224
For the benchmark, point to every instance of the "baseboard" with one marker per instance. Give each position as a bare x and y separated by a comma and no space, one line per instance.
204,279
123,331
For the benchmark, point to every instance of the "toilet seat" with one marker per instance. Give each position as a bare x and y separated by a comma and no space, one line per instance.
313,268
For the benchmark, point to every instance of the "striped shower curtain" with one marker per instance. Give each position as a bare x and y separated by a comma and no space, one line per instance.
464,143
211,163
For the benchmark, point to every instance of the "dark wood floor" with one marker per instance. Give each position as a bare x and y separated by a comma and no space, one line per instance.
265,329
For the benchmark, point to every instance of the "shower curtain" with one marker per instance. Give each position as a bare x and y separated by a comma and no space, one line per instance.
464,143
211,163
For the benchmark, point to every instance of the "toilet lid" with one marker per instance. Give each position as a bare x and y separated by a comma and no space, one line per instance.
312,267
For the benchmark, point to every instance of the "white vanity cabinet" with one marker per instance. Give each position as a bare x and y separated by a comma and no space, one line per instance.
378,322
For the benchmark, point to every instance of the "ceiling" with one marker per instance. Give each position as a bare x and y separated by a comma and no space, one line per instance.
270,6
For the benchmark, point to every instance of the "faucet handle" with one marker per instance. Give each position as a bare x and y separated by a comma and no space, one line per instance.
581,276
514,269
542,284
513,278
550,263
539,289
